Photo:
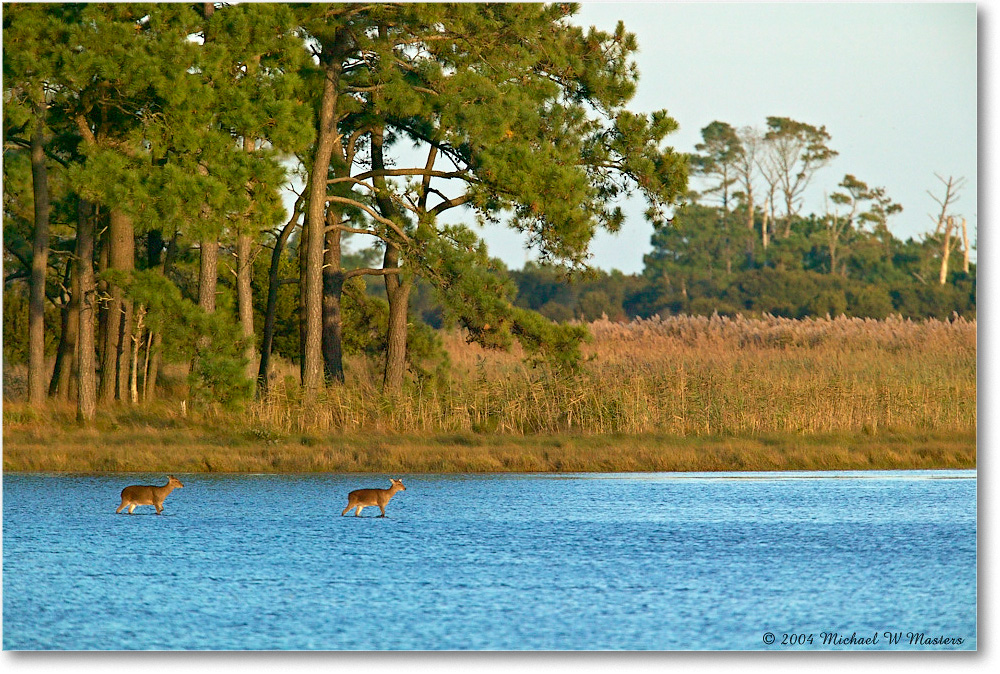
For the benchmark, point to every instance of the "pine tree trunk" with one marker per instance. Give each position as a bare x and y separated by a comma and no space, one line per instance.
155,260
39,262
126,261
208,278
208,273
267,340
397,288
244,297
312,361
121,256
105,391
398,292
333,285
69,325
124,348
303,265
87,386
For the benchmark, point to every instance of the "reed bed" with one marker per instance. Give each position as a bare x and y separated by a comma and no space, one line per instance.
685,376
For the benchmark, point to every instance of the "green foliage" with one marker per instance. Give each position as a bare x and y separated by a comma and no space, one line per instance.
286,320
562,296
15,324
210,341
556,344
365,322
477,293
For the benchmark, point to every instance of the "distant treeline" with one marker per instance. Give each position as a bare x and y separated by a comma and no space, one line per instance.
699,266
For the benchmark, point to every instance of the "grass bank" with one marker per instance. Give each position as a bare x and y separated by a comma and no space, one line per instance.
189,448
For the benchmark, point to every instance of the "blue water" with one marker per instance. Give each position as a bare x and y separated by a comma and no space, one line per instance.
610,561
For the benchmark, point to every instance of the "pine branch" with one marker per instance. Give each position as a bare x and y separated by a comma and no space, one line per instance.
371,272
372,212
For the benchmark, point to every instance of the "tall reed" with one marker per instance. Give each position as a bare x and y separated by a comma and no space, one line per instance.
686,376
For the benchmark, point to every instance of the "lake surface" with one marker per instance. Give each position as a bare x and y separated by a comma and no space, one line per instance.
660,561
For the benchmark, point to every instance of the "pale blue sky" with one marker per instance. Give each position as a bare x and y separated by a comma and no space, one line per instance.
894,84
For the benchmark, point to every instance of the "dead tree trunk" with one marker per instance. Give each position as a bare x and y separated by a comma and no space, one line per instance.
949,225
965,246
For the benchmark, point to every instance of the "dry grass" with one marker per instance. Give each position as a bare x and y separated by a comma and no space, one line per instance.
189,449
681,376
674,394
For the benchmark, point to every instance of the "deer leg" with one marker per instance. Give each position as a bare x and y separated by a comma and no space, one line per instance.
159,508
357,513
347,509
382,508
131,508
122,506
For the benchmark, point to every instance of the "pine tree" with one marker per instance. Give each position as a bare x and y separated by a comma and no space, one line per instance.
30,70
530,115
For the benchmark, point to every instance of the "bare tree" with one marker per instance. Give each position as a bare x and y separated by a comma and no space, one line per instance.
952,187
770,175
795,152
945,223
745,167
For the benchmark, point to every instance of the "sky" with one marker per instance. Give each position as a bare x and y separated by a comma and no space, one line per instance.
895,85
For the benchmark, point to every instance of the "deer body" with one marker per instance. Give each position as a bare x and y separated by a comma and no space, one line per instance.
145,494
361,498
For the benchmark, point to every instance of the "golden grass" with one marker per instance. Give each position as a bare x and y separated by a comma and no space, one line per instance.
675,394
200,450
680,376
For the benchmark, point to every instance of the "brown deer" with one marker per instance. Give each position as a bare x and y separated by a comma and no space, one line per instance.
361,498
147,494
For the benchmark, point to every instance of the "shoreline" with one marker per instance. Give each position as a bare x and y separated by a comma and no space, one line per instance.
204,451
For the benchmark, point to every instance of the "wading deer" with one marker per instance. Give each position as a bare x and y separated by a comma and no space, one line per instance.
147,494
361,498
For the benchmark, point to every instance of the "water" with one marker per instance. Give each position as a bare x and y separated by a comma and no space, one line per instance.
620,561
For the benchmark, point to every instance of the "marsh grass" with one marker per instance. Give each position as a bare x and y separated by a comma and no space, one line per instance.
684,393
199,450
688,376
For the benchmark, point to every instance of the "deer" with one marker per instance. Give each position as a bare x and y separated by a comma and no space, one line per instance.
361,498
147,494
